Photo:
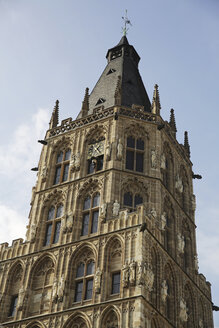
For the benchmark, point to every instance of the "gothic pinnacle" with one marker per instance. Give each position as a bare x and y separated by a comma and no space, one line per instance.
155,107
172,122
55,116
186,143
85,103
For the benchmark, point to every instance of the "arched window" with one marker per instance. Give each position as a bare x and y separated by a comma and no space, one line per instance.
135,154
95,156
113,267
111,320
41,287
53,225
62,166
170,294
84,281
15,283
90,214
132,200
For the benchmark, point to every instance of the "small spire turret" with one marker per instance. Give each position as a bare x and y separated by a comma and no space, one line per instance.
155,107
172,122
55,116
85,103
186,143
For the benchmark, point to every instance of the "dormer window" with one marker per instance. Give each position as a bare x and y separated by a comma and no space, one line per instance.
100,101
115,54
112,70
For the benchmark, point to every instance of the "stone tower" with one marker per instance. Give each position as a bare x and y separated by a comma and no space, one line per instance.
111,237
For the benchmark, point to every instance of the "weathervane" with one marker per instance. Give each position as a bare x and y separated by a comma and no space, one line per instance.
126,22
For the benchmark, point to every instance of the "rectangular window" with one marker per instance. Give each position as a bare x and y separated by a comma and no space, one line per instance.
85,225
48,234
94,222
116,283
57,175
65,174
89,289
13,306
139,162
57,232
129,160
78,292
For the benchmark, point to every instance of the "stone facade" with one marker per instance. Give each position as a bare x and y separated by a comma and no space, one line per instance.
108,245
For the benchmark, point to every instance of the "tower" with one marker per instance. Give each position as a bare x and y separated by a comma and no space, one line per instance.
111,234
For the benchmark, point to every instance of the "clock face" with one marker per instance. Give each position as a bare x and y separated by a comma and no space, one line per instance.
96,149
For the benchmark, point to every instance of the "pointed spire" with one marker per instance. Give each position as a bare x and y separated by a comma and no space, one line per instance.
118,92
155,107
55,116
172,122
186,143
85,103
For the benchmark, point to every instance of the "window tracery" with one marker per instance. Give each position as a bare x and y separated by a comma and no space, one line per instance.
131,200
53,224
90,214
62,166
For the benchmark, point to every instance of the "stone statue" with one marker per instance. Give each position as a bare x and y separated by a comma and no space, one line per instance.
149,277
125,274
163,221
44,172
132,267
163,162
119,150
69,222
154,158
140,273
20,301
179,184
200,323
61,287
196,262
116,208
32,232
153,213
97,280
103,209
181,243
108,151
183,311
75,162
55,290
164,291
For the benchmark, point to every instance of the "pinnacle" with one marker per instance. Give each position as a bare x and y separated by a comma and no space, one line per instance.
186,143
85,103
55,116
172,121
155,107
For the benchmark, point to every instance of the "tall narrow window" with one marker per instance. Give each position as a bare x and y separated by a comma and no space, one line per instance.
135,154
90,214
62,166
116,283
13,306
84,281
53,225
131,201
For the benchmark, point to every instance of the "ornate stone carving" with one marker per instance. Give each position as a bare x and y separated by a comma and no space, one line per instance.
200,323
164,291
75,162
125,274
154,158
180,243
55,290
97,280
153,213
108,151
163,221
132,267
44,173
103,209
32,232
140,273
119,150
21,296
163,162
149,277
116,208
69,222
179,184
183,310
61,288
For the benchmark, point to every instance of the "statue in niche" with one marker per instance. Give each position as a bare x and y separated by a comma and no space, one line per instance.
181,243
200,323
149,277
164,291
103,209
154,158
108,151
55,290
140,273
61,287
153,213
97,280
125,274
183,311
21,295
69,222
32,232
163,162
196,262
44,173
119,150
163,221
132,267
179,184
116,208
75,162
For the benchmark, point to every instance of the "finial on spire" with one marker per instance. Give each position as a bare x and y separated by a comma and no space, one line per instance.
55,116
126,22
155,107
186,143
85,103
172,122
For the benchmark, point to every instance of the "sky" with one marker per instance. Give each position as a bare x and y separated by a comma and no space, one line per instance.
52,49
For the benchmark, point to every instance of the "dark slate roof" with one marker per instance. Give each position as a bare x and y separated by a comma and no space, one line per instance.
122,61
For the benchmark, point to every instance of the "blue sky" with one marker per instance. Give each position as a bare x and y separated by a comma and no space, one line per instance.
54,49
